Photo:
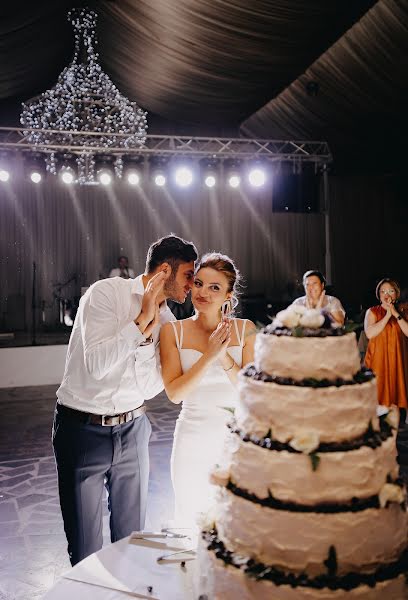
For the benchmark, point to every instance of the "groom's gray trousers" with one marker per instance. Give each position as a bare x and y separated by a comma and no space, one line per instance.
89,456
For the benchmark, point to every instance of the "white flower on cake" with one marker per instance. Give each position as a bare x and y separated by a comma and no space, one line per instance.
219,476
299,309
312,318
288,318
305,441
391,493
296,315
392,417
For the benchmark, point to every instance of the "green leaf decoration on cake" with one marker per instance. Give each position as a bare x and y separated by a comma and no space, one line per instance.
297,331
351,326
259,325
315,460
229,409
331,562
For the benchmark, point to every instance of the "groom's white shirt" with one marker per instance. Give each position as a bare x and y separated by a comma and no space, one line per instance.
108,370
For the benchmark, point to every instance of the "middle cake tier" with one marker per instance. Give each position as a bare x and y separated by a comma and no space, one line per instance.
328,476
334,412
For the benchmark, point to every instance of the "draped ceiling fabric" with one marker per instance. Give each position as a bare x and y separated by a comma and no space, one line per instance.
360,108
205,62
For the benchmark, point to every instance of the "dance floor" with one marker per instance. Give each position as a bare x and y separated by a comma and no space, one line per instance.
32,541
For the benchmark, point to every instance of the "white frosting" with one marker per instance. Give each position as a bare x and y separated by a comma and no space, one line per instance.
289,477
301,541
229,583
300,357
303,417
334,413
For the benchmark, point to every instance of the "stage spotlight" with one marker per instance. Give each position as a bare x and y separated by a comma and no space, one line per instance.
105,176
35,176
160,179
210,180
209,171
232,168
158,169
35,167
234,180
133,177
67,175
104,170
132,169
184,176
67,168
4,175
257,177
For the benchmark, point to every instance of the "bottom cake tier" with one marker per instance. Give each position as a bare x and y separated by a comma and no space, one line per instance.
228,577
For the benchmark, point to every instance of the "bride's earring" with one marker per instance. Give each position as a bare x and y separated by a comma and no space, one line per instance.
226,309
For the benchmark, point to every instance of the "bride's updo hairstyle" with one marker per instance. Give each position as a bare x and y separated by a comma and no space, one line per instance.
223,264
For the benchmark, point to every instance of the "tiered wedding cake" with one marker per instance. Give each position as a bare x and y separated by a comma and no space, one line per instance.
309,503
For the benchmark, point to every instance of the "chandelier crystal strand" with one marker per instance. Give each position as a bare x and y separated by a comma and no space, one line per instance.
84,100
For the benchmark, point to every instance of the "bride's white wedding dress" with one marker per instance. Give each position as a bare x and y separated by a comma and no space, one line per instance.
200,432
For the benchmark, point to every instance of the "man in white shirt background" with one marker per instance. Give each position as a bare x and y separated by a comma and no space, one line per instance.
314,284
100,429
122,270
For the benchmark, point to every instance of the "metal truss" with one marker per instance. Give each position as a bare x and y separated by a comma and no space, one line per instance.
17,139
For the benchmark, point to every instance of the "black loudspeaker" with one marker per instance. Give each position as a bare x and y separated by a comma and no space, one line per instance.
296,192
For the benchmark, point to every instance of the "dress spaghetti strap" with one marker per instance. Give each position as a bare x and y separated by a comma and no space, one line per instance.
181,334
237,332
176,335
241,337
243,333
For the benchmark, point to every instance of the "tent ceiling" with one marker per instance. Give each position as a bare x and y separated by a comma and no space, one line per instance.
208,66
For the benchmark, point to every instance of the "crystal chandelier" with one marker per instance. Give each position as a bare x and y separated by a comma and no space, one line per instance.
84,113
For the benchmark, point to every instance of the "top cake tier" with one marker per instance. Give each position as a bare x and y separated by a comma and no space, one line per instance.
330,357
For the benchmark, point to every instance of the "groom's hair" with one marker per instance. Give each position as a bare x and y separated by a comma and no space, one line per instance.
171,249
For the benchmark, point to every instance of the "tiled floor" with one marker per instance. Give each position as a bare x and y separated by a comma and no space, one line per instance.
32,540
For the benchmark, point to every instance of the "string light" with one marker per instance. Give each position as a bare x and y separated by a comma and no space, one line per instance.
84,100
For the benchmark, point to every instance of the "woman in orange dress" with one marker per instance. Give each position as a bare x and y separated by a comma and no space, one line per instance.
386,327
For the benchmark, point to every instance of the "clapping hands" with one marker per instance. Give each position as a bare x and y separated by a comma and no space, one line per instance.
388,305
218,341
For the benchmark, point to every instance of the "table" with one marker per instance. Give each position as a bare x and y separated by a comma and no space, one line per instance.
128,569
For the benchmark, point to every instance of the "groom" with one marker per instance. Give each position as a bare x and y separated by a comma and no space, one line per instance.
100,430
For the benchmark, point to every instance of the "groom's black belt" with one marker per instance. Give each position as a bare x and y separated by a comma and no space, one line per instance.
104,420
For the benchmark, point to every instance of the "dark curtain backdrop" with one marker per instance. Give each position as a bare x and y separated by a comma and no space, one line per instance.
80,232
369,219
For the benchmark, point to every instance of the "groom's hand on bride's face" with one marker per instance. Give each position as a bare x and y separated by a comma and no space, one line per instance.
152,291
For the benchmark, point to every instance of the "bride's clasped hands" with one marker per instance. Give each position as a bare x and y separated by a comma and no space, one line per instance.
218,343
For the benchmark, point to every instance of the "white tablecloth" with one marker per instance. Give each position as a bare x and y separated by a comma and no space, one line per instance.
127,569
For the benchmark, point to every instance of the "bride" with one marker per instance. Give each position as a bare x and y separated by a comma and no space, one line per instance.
200,358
